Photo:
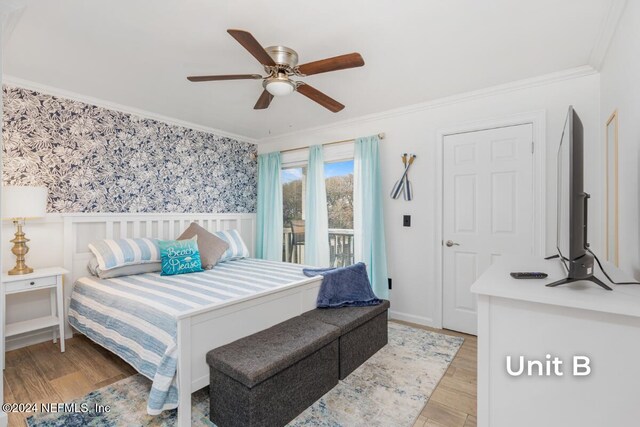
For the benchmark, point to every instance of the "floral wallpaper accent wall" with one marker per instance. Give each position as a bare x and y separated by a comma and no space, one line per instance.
93,159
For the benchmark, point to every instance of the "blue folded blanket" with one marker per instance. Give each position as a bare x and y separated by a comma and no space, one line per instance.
344,287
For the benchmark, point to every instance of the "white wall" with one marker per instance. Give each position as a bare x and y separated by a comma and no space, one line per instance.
620,89
410,251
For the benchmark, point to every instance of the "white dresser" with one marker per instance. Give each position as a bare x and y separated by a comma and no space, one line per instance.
525,318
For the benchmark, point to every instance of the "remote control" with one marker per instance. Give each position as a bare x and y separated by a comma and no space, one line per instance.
529,275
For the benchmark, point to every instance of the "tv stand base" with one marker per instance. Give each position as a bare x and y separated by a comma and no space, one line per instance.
571,280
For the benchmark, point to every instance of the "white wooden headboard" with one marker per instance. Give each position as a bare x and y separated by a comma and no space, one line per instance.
82,229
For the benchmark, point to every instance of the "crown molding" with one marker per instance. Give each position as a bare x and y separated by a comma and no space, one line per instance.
543,80
437,103
62,93
607,31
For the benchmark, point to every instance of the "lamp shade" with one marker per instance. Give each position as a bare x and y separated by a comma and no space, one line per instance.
280,87
23,202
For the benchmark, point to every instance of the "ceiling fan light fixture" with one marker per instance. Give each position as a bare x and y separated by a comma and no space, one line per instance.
279,86
281,65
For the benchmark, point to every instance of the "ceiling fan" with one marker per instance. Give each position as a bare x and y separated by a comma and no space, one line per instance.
281,64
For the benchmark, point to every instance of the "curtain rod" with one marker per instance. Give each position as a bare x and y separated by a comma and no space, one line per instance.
380,135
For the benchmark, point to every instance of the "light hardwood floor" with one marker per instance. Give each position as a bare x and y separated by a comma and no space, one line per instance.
453,402
40,373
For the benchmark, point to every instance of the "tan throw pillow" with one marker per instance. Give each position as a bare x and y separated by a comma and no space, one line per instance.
211,247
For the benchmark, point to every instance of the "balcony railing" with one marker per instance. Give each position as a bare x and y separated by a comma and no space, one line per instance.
340,247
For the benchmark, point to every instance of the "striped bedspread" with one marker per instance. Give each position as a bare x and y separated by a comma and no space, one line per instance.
134,316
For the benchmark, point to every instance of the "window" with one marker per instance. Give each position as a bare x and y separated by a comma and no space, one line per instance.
339,185
293,183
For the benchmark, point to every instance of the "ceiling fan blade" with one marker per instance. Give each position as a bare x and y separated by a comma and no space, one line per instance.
224,77
251,44
350,60
263,101
319,97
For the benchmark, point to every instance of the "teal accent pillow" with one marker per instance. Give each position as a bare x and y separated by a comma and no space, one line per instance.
179,257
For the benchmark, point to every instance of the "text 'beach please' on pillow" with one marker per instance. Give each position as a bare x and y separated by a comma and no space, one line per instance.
237,248
211,247
179,257
112,253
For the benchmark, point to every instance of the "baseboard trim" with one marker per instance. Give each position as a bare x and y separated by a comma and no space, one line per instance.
4,420
420,320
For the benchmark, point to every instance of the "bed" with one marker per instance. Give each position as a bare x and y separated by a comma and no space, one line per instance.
164,326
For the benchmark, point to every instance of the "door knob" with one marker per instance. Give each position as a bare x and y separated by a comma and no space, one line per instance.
450,243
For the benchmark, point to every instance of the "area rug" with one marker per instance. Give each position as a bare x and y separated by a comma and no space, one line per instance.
390,389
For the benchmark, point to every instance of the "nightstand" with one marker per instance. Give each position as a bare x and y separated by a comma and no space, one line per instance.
41,278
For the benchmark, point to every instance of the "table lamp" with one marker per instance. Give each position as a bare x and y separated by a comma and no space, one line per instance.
18,204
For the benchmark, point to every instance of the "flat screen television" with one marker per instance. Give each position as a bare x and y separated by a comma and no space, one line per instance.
572,218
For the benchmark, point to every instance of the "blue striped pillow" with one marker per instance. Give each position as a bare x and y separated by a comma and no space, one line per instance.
117,253
237,248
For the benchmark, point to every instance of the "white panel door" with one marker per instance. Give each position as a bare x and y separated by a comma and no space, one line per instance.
487,211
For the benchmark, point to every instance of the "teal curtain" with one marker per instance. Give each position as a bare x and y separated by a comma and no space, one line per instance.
269,217
316,231
368,216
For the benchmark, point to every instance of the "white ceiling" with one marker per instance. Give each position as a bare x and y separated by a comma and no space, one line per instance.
138,52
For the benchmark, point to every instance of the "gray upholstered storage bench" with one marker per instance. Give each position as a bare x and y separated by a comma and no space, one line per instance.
363,331
269,378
